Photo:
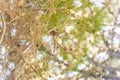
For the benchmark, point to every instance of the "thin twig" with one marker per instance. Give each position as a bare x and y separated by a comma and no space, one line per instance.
101,66
4,28
16,18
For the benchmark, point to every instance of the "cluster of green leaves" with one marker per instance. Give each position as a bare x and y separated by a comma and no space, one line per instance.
52,18
58,16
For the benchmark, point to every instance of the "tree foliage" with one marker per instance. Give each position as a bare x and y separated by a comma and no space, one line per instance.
47,38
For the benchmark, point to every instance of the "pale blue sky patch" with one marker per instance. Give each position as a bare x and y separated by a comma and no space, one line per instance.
13,32
77,3
69,28
106,28
98,3
2,50
60,58
51,62
102,56
117,30
11,65
48,39
23,42
107,35
8,72
116,42
1,67
51,78
72,73
39,56
81,66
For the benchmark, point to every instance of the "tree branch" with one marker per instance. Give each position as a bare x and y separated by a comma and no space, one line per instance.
4,28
